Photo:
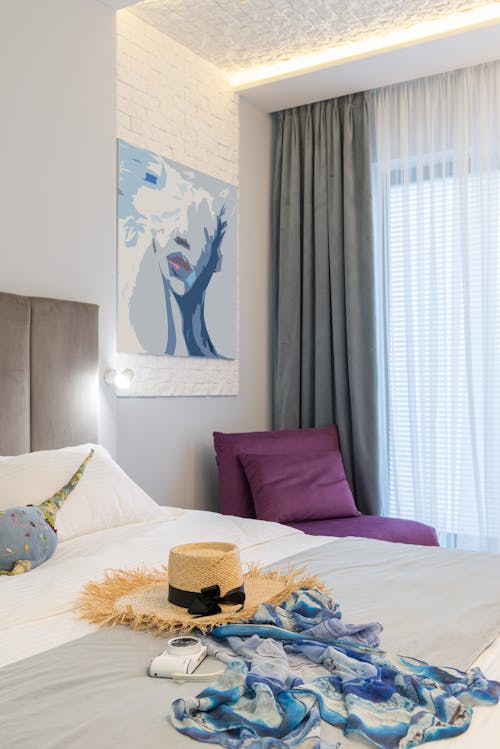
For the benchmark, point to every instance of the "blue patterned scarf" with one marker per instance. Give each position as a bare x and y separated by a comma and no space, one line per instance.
298,663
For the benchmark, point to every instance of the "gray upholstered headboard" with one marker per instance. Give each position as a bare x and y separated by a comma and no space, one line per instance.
48,373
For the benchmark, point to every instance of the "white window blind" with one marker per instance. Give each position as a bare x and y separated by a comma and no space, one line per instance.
437,221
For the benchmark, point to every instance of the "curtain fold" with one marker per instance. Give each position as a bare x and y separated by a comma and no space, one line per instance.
324,338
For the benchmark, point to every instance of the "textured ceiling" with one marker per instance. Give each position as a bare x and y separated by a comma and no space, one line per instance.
239,35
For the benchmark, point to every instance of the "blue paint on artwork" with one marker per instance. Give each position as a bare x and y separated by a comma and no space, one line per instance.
179,218
192,301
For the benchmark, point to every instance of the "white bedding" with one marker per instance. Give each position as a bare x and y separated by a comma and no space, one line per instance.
38,610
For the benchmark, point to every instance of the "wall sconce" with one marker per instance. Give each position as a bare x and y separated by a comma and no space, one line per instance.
120,380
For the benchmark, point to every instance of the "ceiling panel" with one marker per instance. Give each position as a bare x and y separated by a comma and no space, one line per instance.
237,35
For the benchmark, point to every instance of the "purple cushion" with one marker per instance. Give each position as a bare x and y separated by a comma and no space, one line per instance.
298,487
373,526
234,490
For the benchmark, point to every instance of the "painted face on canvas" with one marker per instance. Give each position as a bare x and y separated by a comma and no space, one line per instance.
181,223
183,248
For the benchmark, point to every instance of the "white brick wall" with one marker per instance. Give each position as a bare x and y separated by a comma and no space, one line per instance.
172,102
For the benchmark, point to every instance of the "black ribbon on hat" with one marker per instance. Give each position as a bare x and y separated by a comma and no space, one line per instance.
206,602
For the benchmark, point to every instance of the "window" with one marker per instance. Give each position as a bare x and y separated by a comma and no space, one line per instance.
437,226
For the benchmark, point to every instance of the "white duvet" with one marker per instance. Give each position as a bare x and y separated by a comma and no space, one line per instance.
38,609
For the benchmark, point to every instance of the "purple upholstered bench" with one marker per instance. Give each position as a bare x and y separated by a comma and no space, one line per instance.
372,526
296,477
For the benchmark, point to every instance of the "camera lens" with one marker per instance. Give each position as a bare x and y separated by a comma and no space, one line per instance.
184,642
183,646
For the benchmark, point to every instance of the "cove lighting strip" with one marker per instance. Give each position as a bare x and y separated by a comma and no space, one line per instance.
424,31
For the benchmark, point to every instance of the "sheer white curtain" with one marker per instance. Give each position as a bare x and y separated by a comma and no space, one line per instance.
437,230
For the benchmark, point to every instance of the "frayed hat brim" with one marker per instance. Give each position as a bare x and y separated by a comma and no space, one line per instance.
139,599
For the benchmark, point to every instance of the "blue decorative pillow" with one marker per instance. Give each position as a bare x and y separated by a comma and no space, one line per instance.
27,534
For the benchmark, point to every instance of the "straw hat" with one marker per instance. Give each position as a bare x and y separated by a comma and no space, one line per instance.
203,586
204,576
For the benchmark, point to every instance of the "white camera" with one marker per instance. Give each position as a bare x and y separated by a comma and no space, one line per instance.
182,656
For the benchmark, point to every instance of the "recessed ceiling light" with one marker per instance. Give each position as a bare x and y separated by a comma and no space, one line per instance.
420,32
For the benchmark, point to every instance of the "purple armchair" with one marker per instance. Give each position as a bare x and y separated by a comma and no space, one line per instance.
297,477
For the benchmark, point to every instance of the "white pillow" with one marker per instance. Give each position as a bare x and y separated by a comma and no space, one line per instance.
105,497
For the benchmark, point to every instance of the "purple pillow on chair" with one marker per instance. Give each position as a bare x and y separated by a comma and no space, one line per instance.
290,488
234,490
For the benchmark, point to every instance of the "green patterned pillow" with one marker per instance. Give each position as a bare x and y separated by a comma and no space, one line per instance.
27,534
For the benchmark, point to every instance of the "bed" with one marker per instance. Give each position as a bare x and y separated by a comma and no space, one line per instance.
66,683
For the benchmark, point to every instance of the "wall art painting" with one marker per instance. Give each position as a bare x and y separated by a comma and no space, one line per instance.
177,258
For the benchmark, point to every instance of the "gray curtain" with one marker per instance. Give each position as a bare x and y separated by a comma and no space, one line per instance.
324,290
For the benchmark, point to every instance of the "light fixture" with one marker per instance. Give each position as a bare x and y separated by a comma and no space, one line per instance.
121,379
423,31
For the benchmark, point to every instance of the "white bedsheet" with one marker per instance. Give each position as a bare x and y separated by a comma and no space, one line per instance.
38,609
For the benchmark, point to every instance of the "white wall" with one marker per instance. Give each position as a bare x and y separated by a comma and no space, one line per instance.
171,100
57,187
